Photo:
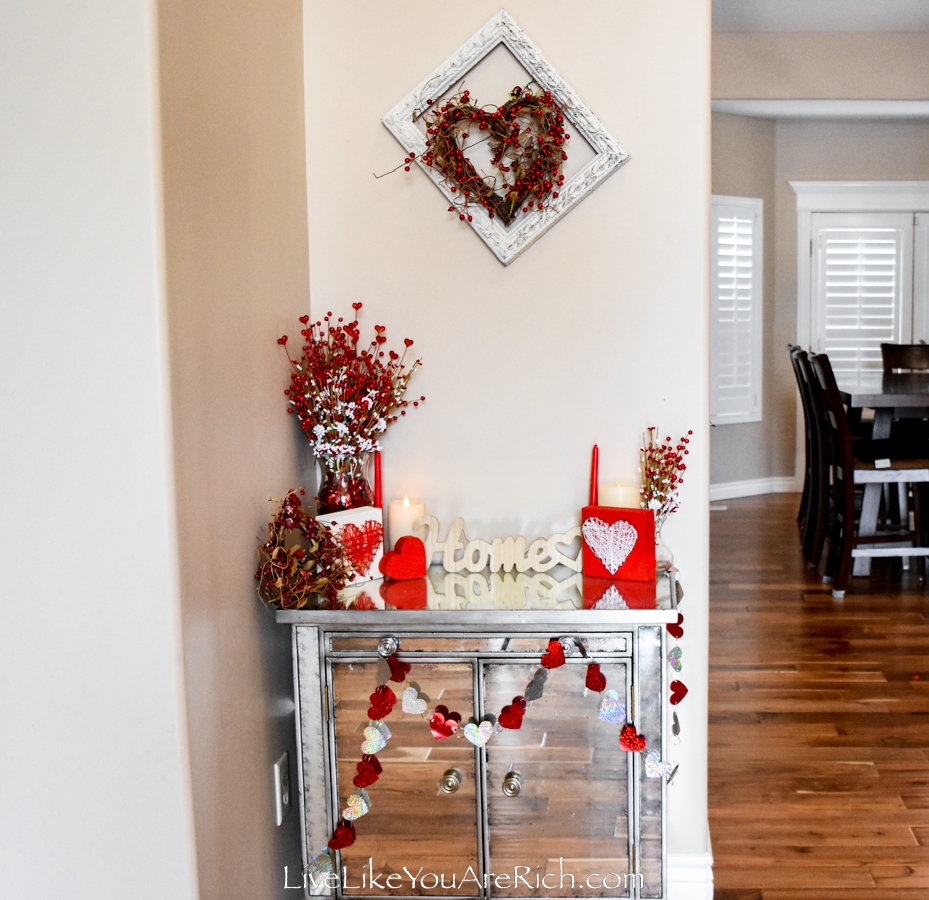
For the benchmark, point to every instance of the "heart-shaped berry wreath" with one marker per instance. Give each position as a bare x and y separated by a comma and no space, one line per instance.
526,137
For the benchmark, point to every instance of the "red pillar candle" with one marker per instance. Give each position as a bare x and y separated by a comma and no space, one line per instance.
594,475
378,498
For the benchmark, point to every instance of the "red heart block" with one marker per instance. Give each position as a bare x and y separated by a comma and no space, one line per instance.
343,836
675,630
596,680
555,656
407,560
618,543
511,716
443,723
361,543
398,669
406,594
678,692
631,740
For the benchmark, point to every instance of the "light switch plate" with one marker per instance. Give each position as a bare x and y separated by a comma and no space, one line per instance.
282,787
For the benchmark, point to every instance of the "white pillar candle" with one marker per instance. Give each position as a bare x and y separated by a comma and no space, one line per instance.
624,495
401,515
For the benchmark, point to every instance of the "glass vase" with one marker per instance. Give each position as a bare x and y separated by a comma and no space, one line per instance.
344,484
664,558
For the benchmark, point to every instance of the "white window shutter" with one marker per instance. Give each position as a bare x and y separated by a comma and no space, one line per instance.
735,323
862,284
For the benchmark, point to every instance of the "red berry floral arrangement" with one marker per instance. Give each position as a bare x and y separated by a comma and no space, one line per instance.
527,139
663,470
345,396
311,567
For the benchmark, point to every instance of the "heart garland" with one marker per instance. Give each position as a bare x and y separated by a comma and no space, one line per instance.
526,137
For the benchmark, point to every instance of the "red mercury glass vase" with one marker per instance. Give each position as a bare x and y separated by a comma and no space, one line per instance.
344,484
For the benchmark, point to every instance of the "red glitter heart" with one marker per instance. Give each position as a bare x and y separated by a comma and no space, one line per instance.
407,560
398,669
675,630
367,774
511,716
678,692
382,702
555,656
631,740
361,543
343,836
596,680
443,723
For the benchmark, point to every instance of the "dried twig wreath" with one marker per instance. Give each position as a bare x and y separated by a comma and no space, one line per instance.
526,137
314,567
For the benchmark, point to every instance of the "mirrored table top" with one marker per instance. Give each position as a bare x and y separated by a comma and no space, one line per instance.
486,598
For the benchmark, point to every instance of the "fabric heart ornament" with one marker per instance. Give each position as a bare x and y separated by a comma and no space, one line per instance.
611,544
398,669
655,767
361,543
525,136
631,740
674,659
443,723
554,657
478,734
535,687
596,680
343,836
406,561
511,716
678,692
412,703
358,805
674,629
612,709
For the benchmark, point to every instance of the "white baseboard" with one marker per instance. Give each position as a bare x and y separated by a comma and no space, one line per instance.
690,876
729,490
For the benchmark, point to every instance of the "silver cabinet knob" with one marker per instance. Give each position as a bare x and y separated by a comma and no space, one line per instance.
512,782
388,645
451,780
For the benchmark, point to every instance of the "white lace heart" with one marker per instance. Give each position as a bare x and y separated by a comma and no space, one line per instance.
611,544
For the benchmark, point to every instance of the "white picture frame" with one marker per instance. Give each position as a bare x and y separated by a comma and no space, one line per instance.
508,242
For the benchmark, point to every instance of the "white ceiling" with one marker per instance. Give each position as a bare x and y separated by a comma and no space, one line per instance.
820,15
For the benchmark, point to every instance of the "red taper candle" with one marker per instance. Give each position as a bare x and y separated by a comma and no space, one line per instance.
378,497
594,475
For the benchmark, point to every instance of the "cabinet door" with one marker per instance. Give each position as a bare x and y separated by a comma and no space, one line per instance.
414,830
567,832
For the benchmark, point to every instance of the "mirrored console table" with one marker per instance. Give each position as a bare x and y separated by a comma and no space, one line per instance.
554,809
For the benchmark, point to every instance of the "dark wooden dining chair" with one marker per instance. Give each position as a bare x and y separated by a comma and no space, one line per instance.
817,465
804,513
851,468
905,358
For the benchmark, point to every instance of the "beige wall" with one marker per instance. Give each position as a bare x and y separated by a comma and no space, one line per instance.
875,66
743,166
237,277
598,331
94,787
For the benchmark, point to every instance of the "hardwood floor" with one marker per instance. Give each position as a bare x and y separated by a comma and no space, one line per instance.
819,719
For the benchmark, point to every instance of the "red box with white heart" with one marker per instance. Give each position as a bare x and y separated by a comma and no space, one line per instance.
361,532
618,543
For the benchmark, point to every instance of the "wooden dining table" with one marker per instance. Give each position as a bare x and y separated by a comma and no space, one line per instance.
898,395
